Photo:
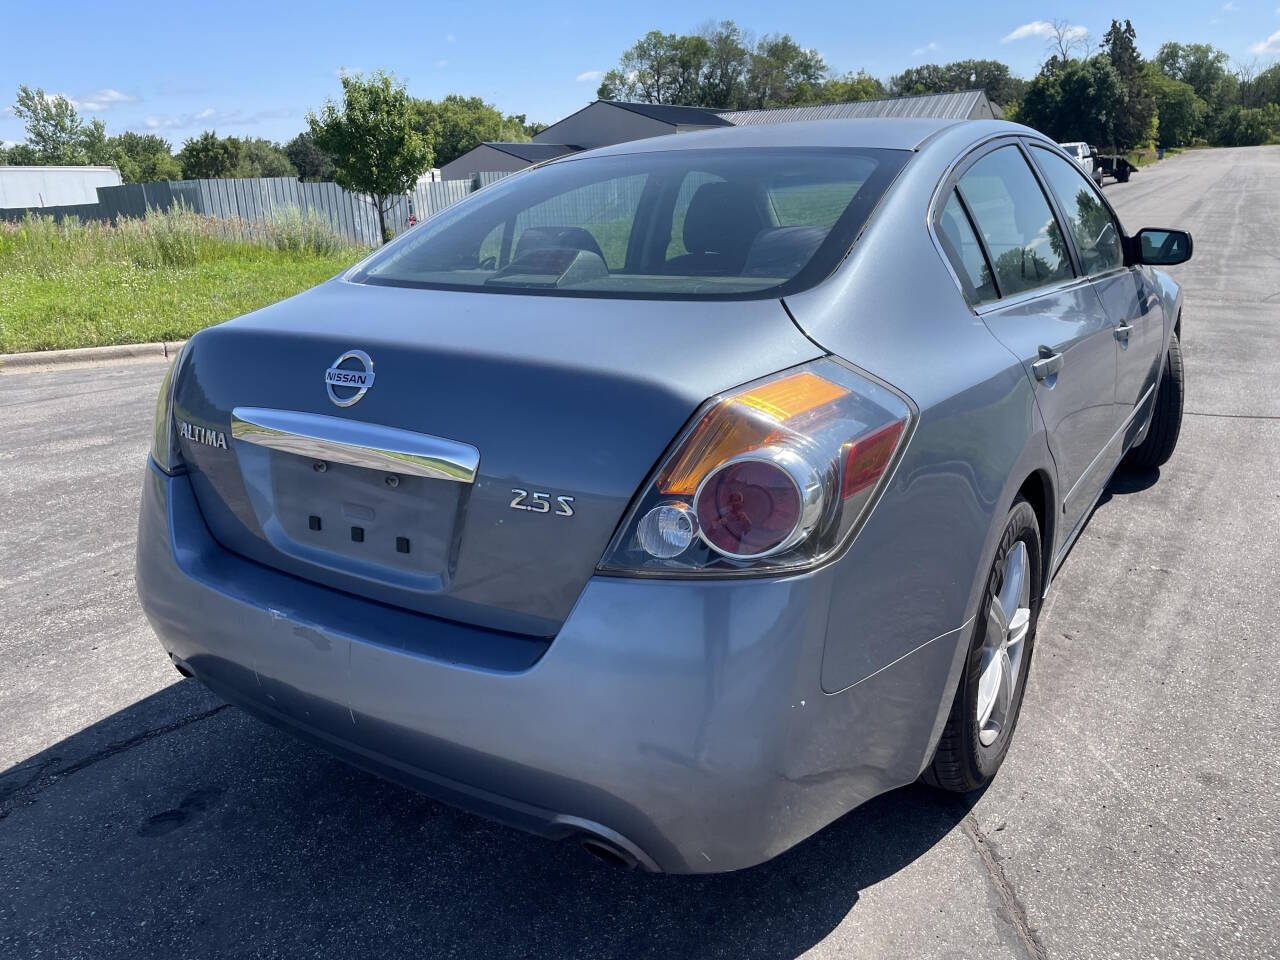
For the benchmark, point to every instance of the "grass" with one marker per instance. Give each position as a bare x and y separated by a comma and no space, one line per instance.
159,278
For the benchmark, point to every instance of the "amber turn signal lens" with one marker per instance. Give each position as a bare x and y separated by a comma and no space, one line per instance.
745,421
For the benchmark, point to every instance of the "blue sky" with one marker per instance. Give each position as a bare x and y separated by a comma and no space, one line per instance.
254,69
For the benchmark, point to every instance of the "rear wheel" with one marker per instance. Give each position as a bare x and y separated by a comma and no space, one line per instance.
1166,419
985,711
1122,173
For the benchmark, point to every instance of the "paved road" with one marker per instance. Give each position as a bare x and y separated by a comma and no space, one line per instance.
1136,815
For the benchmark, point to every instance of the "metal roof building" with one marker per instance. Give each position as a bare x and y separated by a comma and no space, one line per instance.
606,122
965,105
503,157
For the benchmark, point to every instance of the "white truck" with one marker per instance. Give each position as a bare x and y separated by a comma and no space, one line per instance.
1087,157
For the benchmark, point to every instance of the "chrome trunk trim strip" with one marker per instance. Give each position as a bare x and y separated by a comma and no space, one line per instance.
358,444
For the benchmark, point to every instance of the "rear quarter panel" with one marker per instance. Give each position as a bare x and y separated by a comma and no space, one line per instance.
917,569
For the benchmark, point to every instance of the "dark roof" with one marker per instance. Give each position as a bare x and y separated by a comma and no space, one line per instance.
534,152
673,114
965,105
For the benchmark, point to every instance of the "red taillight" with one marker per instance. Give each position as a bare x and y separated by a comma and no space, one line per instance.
866,458
748,508
775,475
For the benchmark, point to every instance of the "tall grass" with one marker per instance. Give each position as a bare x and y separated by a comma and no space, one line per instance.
158,277
178,237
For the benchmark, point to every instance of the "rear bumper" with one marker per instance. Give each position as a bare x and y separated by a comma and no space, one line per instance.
683,721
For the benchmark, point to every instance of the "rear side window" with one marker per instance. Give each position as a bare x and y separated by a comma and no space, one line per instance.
1014,218
682,224
1092,227
966,252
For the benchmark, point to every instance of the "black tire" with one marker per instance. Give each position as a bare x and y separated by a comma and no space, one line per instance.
1122,174
1166,419
962,763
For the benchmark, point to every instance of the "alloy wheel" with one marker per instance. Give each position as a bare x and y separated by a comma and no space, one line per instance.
1008,620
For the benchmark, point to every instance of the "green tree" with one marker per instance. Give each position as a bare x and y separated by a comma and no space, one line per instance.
210,157
457,124
531,128
1204,67
94,142
852,86
260,157
1001,86
717,67
658,68
1076,100
23,155
1248,127
1136,118
782,73
1264,88
1178,109
310,161
376,150
55,132
143,157
724,74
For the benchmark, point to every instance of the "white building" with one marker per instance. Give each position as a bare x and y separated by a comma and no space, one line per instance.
54,186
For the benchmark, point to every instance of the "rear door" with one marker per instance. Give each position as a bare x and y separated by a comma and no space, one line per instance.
1005,238
1127,294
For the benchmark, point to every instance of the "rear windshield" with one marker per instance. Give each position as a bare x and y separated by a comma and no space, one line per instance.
680,224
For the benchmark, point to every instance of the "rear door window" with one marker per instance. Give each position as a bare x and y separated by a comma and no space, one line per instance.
965,252
1015,220
1094,230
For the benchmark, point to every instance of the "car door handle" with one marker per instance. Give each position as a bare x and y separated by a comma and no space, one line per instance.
1123,331
1048,364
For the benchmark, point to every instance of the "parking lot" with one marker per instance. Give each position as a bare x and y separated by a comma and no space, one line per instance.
1136,816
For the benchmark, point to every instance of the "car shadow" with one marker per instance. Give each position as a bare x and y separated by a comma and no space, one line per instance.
1125,481
216,835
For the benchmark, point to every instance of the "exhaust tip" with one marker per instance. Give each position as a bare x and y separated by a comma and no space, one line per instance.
606,845
606,852
181,667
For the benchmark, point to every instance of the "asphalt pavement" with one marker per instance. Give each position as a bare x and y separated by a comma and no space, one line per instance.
1136,815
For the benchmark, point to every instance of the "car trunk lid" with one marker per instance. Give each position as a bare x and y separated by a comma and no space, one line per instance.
482,471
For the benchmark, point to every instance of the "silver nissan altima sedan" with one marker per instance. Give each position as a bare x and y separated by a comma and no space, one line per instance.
676,497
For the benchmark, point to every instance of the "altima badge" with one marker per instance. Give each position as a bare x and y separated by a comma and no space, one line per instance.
195,433
358,378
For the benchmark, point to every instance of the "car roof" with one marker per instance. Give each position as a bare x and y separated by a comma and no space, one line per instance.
891,133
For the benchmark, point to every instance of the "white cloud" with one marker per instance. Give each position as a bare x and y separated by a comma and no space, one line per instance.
1269,46
588,75
100,100
1229,7
1043,28
211,117
929,47
450,38
441,64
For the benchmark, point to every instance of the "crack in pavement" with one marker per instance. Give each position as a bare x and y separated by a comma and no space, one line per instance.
25,792
1232,416
1011,907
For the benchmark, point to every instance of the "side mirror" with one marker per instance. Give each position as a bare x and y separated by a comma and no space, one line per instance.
1158,247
